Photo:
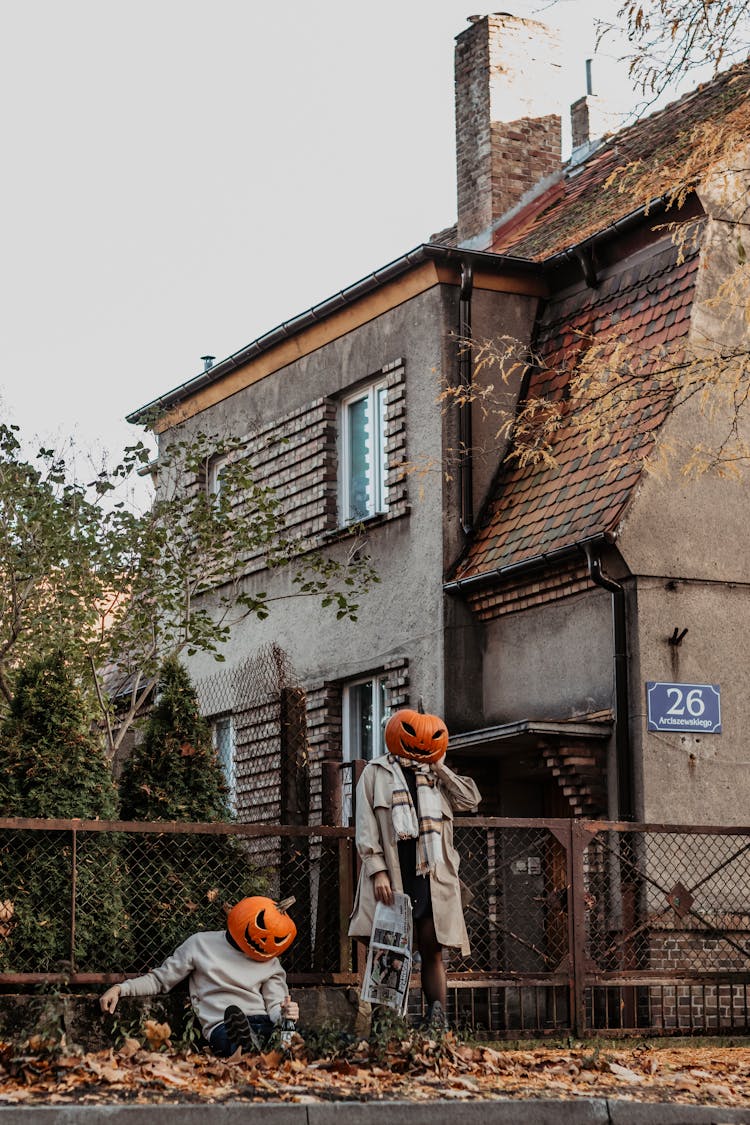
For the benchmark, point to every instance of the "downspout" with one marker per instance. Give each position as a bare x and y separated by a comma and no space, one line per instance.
625,801
465,378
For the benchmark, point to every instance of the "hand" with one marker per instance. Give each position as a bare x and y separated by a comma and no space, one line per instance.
290,1009
108,1000
438,767
382,889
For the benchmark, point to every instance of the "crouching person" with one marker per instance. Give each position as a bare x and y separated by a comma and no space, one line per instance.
238,988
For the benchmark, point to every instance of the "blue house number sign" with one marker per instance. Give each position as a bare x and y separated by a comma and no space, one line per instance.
684,707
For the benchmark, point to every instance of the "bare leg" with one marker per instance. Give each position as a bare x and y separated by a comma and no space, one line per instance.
434,982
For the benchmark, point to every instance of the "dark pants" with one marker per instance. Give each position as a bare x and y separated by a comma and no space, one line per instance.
221,1044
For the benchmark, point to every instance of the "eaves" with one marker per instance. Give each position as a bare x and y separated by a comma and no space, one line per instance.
426,265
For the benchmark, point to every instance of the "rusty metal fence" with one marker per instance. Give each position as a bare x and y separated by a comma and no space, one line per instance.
575,926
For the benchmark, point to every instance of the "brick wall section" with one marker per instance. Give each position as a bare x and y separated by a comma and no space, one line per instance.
324,724
506,138
323,737
296,456
513,595
395,438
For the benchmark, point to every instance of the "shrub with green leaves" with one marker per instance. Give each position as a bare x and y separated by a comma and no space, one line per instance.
51,766
178,883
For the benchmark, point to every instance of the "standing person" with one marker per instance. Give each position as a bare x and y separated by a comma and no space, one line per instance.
238,988
404,834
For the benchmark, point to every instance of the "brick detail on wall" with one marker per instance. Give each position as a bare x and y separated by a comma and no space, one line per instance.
324,721
257,765
513,595
296,456
395,438
323,737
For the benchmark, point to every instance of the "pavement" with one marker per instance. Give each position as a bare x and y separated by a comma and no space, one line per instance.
532,1111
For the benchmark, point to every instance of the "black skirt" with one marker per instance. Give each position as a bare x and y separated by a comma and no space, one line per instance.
417,887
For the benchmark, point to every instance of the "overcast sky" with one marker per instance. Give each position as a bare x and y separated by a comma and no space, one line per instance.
180,176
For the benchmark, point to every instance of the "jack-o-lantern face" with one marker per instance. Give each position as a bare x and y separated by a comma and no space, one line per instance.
260,929
410,734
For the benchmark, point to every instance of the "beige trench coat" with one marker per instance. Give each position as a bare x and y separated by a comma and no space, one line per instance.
378,851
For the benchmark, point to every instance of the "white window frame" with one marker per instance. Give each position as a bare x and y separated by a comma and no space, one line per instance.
380,712
228,765
377,490
216,466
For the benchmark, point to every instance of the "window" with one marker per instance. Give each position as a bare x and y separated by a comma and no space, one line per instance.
362,453
216,467
222,733
363,713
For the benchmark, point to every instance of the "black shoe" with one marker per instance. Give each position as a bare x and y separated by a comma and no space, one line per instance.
435,1019
239,1030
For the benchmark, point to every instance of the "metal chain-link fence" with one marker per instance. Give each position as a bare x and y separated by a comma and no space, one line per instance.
667,936
573,925
97,898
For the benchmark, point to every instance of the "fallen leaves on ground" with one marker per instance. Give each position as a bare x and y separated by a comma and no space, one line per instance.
417,1069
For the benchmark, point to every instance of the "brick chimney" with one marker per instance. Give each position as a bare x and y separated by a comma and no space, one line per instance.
507,137
590,118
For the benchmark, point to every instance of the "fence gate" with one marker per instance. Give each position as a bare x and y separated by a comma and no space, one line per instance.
662,917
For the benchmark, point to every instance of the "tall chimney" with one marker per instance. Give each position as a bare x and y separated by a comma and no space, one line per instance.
507,139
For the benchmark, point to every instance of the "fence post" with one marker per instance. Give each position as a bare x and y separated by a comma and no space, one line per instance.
346,875
579,841
331,791
73,895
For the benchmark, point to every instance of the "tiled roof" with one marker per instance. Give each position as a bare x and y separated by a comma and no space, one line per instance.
534,510
580,205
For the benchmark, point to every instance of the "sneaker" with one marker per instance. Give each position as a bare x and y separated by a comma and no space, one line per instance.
239,1030
435,1019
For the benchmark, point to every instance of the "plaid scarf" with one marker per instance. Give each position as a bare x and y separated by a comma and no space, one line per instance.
427,828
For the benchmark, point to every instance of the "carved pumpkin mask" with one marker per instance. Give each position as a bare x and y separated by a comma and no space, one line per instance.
410,734
260,929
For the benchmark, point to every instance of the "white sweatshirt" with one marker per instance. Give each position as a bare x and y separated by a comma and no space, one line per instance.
220,975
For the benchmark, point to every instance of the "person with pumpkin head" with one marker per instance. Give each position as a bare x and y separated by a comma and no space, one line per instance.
405,803
238,988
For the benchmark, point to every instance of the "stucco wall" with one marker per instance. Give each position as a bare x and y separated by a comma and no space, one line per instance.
403,614
694,778
550,662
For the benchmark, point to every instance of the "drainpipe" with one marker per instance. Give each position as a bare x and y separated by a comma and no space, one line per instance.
465,377
625,802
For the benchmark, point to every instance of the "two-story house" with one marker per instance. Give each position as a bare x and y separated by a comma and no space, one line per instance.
529,602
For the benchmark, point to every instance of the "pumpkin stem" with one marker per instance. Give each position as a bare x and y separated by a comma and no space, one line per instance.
285,903
420,706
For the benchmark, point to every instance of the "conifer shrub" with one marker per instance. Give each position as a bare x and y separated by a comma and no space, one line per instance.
179,883
52,766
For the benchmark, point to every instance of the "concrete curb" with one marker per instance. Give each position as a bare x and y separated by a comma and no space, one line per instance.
582,1111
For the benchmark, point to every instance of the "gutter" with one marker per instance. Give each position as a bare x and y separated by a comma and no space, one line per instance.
623,751
486,578
465,379
580,252
427,252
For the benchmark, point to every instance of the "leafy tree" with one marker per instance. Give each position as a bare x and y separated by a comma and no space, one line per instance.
174,772
670,39
178,883
51,557
52,767
120,590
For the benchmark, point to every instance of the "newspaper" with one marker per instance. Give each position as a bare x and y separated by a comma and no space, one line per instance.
389,957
